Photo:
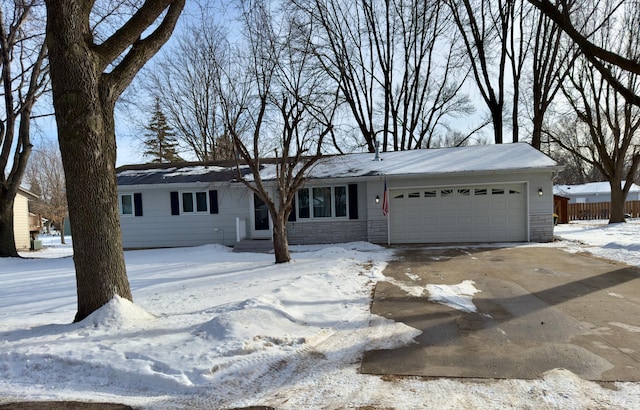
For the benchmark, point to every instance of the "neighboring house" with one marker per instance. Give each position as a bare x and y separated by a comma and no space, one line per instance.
23,222
593,192
489,193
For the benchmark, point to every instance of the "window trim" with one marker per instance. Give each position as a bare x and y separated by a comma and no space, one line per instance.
136,204
195,202
310,209
120,207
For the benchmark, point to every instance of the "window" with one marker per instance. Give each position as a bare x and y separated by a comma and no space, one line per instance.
480,191
464,192
303,203
323,202
126,204
430,194
340,198
201,202
414,195
497,191
130,204
399,196
514,191
446,192
194,202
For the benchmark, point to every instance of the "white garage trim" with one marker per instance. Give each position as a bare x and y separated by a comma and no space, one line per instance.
482,212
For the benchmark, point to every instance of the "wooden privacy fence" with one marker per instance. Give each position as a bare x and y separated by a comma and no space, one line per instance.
600,210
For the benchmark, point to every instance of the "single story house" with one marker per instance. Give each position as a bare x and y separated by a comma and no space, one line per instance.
593,192
24,223
488,193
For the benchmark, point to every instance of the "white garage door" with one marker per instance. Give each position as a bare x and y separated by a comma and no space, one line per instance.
485,213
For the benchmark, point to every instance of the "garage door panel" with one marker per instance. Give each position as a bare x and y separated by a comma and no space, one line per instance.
495,213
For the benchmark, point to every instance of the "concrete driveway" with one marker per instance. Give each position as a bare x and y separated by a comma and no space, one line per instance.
537,309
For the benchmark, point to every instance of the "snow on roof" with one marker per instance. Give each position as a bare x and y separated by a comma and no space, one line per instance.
591,188
477,158
180,173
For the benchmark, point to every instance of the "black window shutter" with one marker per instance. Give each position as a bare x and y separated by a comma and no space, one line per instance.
292,215
353,201
213,202
137,204
175,203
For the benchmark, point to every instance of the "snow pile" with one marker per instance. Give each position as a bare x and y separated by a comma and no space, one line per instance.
619,242
455,296
119,313
212,328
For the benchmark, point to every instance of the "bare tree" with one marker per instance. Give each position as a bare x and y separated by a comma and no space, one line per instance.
428,92
550,60
346,54
576,169
184,80
24,78
88,75
394,66
602,57
277,102
486,28
45,176
609,122
519,39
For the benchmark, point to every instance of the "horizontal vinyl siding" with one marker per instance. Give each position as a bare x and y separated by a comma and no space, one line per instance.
158,228
21,222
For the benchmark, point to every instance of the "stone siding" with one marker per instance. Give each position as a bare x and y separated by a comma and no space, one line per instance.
300,233
377,231
541,227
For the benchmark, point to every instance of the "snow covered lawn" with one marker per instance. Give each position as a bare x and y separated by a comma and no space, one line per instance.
215,329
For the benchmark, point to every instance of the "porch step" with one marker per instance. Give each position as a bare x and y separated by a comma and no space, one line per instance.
254,245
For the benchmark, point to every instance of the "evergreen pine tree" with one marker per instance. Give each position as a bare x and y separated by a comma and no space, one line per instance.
160,141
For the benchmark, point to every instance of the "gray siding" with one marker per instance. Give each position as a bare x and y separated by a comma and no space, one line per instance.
158,228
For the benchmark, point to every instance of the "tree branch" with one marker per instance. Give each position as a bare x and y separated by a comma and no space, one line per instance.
141,49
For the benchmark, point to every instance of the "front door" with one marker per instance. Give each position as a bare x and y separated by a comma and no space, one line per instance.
261,224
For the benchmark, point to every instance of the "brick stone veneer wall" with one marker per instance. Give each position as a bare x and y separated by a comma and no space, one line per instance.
541,227
377,231
326,232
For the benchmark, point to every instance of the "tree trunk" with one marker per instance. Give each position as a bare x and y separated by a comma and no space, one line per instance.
618,198
536,135
84,116
62,240
496,119
7,238
280,242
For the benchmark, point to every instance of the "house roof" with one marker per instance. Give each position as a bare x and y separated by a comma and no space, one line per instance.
591,188
474,159
459,160
177,173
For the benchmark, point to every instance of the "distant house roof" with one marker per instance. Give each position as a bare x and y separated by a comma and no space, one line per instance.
474,159
25,192
591,188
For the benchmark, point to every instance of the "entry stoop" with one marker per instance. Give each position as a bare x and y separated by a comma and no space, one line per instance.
254,245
